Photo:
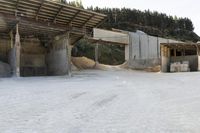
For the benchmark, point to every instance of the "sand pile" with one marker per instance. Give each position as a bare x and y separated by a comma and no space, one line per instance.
83,63
86,63
5,69
153,69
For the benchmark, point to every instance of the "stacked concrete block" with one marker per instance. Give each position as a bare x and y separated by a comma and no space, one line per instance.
185,66
180,67
175,67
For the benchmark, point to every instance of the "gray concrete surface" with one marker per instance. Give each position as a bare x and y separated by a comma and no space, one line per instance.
5,69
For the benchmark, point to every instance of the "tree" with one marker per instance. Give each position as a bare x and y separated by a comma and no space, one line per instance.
153,23
76,3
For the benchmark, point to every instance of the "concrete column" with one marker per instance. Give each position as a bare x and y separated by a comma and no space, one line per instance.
11,40
130,49
17,50
69,49
164,58
96,52
198,56
197,49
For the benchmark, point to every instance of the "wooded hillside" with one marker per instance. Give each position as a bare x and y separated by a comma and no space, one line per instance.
153,23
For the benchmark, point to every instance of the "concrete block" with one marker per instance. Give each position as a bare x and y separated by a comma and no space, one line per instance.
178,67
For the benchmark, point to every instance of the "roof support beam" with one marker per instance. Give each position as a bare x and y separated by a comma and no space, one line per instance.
75,41
88,20
16,7
17,4
69,23
101,22
35,25
59,11
38,11
33,22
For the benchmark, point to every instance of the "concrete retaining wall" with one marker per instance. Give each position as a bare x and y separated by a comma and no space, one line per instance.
57,57
32,61
5,70
4,49
144,50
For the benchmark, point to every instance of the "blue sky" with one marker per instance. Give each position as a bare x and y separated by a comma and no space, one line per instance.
180,8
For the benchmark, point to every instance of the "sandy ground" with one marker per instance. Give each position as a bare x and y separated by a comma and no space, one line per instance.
101,102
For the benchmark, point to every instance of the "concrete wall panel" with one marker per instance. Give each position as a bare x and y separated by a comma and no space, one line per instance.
153,47
4,49
135,46
57,58
110,36
33,60
144,46
144,50
5,69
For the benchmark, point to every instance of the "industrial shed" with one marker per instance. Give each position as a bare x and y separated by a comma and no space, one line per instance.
36,36
180,57
144,50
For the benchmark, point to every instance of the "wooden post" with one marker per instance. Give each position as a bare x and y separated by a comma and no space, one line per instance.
174,52
96,52
17,52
